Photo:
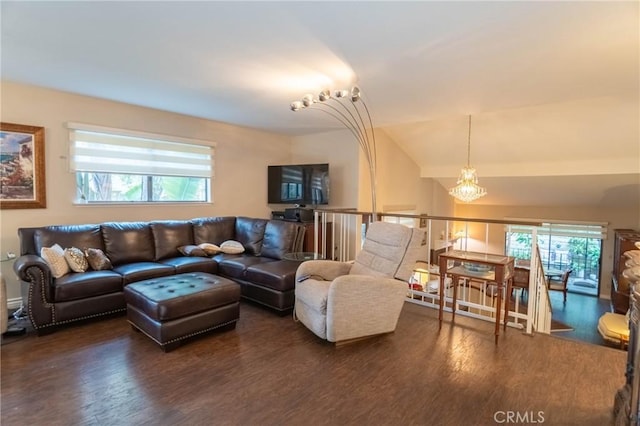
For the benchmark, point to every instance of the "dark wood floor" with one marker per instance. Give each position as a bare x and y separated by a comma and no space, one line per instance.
272,371
582,313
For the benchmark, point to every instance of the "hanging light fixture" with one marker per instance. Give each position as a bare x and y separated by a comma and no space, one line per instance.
348,107
467,189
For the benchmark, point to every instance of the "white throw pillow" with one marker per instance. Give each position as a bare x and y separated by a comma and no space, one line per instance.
210,249
76,259
232,247
54,256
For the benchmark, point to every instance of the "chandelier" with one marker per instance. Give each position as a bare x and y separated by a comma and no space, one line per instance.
467,189
348,107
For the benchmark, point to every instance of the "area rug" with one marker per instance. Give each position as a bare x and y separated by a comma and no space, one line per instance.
584,284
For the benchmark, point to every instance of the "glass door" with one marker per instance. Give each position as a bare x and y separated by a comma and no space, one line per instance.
581,254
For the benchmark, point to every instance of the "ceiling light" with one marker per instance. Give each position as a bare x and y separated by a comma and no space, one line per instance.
467,189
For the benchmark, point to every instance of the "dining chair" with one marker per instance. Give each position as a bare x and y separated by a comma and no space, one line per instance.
560,285
520,280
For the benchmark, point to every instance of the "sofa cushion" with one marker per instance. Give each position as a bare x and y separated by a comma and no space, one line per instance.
235,265
169,235
127,242
278,274
192,264
279,238
138,271
213,230
76,286
250,232
81,236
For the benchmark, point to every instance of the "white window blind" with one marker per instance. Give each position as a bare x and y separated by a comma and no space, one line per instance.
105,150
597,230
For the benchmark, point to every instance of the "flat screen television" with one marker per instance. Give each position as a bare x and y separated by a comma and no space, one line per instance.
302,184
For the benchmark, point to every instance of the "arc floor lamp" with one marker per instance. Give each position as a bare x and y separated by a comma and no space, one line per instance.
348,107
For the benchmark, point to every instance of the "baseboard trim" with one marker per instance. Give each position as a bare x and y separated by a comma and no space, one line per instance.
14,303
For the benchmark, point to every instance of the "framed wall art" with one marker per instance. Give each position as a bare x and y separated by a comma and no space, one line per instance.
22,176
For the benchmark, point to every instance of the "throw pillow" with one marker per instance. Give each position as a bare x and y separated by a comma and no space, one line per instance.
191,250
54,256
232,247
76,260
210,249
97,259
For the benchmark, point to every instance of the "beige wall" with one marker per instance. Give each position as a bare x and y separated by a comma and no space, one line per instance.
398,182
398,178
615,217
241,160
340,150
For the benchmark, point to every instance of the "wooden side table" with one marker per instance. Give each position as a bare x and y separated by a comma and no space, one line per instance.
493,268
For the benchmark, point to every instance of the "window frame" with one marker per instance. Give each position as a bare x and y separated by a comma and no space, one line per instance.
197,150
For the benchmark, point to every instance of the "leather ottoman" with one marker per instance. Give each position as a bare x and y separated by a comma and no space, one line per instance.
173,308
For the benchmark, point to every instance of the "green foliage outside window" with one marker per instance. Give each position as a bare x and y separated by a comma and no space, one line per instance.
114,188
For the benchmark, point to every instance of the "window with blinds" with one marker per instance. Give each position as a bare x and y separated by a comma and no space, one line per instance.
597,230
120,166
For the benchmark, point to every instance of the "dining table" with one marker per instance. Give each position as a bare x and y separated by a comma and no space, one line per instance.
492,268
551,273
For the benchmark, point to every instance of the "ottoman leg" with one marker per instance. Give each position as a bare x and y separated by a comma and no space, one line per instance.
227,327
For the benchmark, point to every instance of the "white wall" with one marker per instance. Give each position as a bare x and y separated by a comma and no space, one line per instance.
241,160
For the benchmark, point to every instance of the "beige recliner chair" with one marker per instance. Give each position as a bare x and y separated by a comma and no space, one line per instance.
342,301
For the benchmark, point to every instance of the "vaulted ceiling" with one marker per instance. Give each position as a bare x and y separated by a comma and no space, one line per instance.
553,86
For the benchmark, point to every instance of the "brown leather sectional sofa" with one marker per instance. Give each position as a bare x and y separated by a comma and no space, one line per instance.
144,250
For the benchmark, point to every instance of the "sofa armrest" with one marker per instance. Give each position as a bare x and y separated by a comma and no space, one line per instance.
23,263
354,297
35,272
327,270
